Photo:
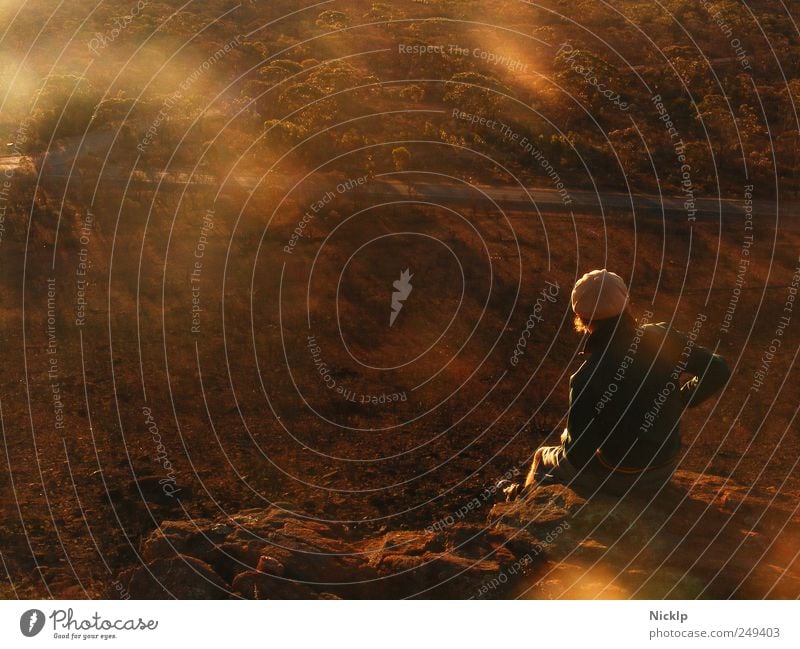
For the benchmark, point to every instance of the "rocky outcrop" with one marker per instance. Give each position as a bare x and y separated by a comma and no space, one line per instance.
260,554
187,578
703,536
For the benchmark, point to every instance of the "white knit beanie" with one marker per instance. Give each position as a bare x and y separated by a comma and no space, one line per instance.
599,294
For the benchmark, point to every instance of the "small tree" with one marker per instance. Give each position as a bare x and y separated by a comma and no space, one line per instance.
402,161
332,19
401,158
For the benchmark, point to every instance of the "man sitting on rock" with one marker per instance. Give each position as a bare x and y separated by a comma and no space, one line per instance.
627,398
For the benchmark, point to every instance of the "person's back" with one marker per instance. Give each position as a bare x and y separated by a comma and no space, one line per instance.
627,398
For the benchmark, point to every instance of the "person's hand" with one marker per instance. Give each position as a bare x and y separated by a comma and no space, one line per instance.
511,491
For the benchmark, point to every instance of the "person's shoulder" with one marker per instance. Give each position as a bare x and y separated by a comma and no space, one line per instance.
664,337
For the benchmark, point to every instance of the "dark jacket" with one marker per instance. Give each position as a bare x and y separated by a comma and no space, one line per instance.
627,399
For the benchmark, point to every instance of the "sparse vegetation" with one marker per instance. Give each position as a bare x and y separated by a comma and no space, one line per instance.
210,135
